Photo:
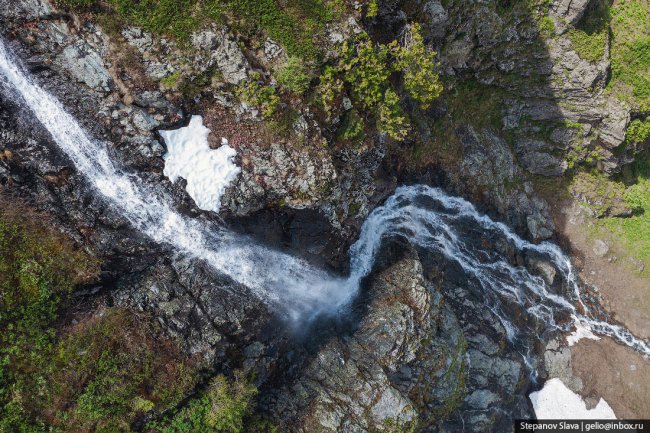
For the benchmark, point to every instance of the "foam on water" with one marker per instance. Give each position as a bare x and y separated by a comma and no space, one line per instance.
427,217
208,172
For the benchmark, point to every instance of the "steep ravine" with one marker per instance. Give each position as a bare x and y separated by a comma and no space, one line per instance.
417,348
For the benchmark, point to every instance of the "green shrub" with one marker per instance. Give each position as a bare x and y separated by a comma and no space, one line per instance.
391,119
417,64
294,76
259,95
373,8
546,26
638,131
353,126
330,88
590,47
364,71
222,408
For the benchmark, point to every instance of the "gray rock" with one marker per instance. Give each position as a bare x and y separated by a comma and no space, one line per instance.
571,10
138,38
223,50
144,121
86,65
481,399
271,49
24,9
436,18
544,164
600,248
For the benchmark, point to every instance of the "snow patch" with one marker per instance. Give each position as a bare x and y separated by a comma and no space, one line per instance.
556,401
208,172
583,330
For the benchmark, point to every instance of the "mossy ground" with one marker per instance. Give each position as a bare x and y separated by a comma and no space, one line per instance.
108,370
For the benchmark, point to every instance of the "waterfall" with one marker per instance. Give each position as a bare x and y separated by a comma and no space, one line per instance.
434,221
279,279
427,217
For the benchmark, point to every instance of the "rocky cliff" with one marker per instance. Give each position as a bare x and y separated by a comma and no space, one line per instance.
523,103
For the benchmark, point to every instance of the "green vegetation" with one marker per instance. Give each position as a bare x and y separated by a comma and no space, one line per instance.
225,406
294,76
373,9
104,373
417,64
638,131
590,47
391,120
113,369
263,96
364,71
172,80
630,53
546,26
465,99
634,232
294,25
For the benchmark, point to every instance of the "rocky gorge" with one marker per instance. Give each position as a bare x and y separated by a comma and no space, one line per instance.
420,347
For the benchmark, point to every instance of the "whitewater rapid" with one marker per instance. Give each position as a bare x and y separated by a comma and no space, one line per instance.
425,216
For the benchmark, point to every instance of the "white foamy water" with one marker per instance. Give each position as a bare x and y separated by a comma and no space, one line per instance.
434,221
300,289
208,172
427,217
556,401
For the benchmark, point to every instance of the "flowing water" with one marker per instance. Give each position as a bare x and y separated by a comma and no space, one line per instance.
427,217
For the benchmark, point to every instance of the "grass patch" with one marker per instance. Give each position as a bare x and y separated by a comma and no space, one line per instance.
465,99
101,374
294,76
224,407
295,24
634,232
590,47
630,55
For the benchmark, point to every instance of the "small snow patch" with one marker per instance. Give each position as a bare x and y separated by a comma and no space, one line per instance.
208,171
556,401
582,331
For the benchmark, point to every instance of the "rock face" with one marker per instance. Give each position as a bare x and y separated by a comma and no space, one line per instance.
408,364
424,352
363,383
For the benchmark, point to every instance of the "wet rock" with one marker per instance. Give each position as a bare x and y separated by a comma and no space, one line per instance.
349,385
545,269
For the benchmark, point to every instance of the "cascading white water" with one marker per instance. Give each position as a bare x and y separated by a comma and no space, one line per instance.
426,216
277,278
432,220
